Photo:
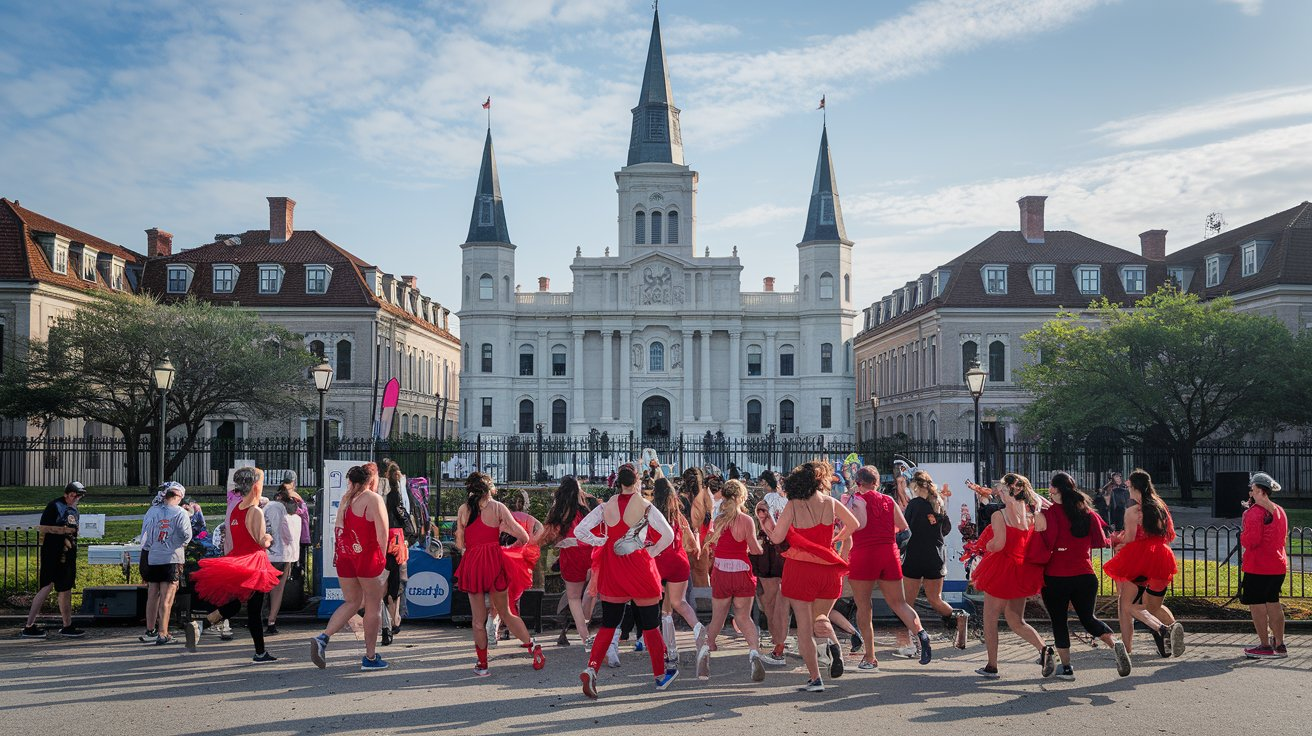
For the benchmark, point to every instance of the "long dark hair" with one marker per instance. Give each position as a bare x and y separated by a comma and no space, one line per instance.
666,501
1151,506
477,485
565,507
1074,502
626,476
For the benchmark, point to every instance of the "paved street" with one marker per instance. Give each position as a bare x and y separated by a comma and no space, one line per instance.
110,684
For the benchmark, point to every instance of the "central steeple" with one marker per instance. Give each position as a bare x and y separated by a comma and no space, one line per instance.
656,137
824,216
487,223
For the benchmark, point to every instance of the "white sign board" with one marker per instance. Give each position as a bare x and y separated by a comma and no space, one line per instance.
91,526
960,506
334,475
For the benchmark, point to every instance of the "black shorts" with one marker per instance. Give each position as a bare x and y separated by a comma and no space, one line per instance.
169,572
393,568
924,564
60,569
1254,589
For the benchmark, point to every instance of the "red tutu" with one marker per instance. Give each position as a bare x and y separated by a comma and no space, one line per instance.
483,569
575,562
1005,574
521,561
1146,558
812,569
236,577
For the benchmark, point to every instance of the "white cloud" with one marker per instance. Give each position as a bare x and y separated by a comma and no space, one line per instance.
755,216
1211,116
1247,7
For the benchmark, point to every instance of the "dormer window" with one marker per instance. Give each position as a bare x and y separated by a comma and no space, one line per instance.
995,279
317,276
1134,279
1043,279
179,279
1252,256
486,210
88,264
116,276
826,208
1089,279
1216,264
225,278
271,278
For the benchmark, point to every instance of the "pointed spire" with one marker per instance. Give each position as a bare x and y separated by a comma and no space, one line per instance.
487,224
824,218
656,137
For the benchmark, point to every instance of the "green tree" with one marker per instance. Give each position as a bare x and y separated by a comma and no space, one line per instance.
96,364
1187,367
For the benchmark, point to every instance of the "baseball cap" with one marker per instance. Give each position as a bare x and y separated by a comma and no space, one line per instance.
1266,481
174,488
76,487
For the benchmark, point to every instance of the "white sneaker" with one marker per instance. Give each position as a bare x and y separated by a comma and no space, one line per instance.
613,655
909,651
223,627
769,658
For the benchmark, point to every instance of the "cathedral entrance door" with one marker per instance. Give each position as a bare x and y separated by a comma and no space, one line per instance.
656,417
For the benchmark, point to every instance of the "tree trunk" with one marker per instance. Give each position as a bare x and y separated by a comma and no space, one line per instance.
131,448
172,462
1184,470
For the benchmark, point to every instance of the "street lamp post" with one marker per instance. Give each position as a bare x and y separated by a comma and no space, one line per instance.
163,383
975,384
542,472
770,457
874,423
441,445
323,380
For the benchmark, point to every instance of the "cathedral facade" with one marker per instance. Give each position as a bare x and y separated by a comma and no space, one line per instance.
654,338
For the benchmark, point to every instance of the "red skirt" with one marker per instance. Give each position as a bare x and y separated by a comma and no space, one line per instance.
876,562
629,577
673,566
483,569
808,581
223,579
521,562
1001,576
575,563
1146,558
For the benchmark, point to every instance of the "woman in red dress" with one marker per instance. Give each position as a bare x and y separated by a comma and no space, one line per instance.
1005,578
245,574
485,569
361,562
1144,566
567,510
697,505
675,568
813,571
625,569
733,535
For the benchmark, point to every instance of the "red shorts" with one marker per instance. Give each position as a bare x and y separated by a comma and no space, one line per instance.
361,566
879,562
673,567
575,562
732,584
808,581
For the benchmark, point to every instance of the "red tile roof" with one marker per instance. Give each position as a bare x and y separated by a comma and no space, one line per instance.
23,259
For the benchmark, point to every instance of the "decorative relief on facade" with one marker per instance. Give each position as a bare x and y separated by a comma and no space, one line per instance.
637,355
969,337
676,355
658,286
657,197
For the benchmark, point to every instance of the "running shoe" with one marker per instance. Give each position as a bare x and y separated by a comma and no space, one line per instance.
1047,661
587,643
271,629
1261,651
539,659
1177,639
32,632
1282,651
318,650
699,636
165,640
774,660
756,666
149,637
385,637
72,632
857,642
667,679
926,651
225,634
835,661
481,670
191,630
371,665
589,679
813,686
638,646
868,666
1122,658
1162,642
704,663
613,655
963,623
909,651
220,629
988,673
1065,672
264,657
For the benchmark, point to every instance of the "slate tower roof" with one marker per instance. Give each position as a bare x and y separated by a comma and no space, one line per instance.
656,137
824,218
487,223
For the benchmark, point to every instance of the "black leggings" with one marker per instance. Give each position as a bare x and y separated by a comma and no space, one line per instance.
1061,592
253,622
646,617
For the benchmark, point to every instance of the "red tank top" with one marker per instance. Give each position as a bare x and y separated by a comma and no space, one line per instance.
729,547
879,521
360,532
478,532
242,541
614,532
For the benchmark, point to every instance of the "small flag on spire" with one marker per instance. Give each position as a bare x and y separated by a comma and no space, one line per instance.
822,102
487,104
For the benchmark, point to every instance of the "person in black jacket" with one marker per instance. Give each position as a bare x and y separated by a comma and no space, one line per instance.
924,562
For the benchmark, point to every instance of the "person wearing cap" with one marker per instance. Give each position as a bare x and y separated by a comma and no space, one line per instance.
58,527
165,533
1266,527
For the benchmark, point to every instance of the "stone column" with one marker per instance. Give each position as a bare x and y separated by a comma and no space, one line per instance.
626,369
575,369
686,367
770,368
704,412
607,374
735,378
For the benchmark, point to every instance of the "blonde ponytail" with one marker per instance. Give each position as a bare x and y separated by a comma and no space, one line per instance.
732,496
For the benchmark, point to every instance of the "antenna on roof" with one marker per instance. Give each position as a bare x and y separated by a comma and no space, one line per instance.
1213,225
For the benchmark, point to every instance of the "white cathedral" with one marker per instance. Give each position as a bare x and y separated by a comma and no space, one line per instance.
655,338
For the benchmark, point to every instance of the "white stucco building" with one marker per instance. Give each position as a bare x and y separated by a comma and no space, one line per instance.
657,336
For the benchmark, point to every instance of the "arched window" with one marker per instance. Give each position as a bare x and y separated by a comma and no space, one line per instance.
847,287
558,416
672,228
997,361
525,360
505,289
464,359
404,423
753,417
655,228
900,427
414,424
316,348
423,427
826,357
487,357
879,430
343,361
933,426
526,417
786,425
639,228
485,287
786,367
806,286
656,358
969,354
826,286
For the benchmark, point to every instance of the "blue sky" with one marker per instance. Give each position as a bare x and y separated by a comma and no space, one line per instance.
117,117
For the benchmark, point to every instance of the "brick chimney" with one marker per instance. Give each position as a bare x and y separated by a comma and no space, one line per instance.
411,281
1152,244
280,219
1031,218
158,243
544,283
768,283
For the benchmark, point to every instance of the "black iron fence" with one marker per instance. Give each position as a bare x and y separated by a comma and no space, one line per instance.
545,458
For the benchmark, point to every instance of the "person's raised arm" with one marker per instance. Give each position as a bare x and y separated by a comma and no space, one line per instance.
509,525
656,520
779,532
583,532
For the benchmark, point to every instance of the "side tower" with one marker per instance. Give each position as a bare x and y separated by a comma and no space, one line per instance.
657,192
